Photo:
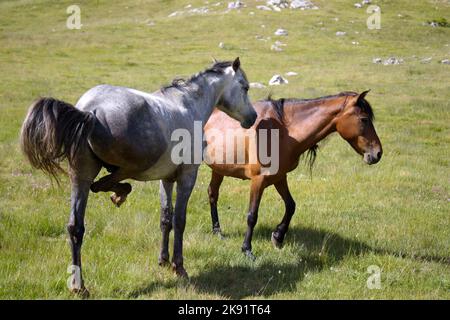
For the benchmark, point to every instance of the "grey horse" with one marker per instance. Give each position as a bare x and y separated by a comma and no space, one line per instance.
129,133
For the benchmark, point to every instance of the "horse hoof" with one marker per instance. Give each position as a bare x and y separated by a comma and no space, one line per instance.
81,292
118,200
250,255
163,262
278,244
219,233
180,271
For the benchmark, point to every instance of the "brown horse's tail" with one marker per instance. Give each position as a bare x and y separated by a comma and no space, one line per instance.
54,130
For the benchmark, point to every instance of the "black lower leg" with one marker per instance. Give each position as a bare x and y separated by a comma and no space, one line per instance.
166,227
166,217
252,218
256,192
213,194
282,228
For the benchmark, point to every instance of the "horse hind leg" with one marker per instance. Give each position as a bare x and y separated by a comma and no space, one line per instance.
82,174
111,183
281,229
256,193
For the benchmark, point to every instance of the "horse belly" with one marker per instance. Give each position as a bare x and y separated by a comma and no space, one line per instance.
164,168
232,170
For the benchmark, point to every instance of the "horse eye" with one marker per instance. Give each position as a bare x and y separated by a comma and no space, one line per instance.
246,88
365,120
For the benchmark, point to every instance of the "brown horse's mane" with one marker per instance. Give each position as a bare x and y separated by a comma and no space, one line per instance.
278,105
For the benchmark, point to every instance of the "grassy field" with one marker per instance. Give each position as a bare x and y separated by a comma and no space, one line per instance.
395,215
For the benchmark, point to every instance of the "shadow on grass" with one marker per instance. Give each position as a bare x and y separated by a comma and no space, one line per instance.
316,250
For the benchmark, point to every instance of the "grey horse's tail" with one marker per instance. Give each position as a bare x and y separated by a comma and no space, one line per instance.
54,130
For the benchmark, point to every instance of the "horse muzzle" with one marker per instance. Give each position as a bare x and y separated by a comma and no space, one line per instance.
372,157
249,120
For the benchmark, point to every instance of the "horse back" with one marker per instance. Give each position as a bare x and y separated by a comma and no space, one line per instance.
129,130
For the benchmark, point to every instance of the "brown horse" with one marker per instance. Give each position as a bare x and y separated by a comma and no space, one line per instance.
301,125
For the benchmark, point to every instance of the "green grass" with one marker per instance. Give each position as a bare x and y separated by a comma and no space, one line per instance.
349,216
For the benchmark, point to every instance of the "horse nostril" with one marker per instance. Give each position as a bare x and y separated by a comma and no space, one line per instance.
379,155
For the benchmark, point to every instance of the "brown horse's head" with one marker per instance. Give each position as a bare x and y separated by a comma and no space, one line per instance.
355,124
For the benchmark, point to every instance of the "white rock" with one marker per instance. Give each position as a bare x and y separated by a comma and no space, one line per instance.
235,5
358,5
281,32
340,33
377,60
290,74
392,61
201,10
221,45
274,47
261,38
445,61
277,46
355,43
302,4
174,14
257,85
277,80
366,1
426,60
265,8
278,9
278,3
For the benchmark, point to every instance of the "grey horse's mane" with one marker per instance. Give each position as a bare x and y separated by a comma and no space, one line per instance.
185,84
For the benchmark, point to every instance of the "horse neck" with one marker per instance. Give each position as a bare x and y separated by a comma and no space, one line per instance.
308,122
208,89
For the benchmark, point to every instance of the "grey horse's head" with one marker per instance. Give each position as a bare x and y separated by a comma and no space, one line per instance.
234,100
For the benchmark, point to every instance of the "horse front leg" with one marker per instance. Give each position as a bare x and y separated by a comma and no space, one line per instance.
280,232
257,189
165,193
213,194
185,184
110,182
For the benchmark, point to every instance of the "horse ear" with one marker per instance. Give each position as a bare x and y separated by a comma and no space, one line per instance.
363,95
236,64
